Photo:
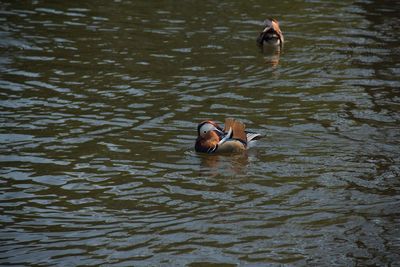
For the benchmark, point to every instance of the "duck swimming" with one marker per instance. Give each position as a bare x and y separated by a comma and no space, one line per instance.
271,34
211,138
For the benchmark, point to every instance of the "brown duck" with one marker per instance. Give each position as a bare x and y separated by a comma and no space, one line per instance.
212,138
271,34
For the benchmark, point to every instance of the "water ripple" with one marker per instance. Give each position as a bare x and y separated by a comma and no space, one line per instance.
99,108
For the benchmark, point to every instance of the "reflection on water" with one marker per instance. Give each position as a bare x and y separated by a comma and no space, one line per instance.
99,106
225,165
271,55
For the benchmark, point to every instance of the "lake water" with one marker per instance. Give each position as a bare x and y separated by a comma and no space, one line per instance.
99,106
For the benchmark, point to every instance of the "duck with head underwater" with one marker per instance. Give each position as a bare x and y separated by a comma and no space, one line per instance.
211,138
271,34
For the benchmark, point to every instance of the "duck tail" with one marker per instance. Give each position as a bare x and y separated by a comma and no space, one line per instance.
253,136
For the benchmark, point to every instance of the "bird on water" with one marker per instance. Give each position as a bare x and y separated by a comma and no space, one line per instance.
212,138
271,34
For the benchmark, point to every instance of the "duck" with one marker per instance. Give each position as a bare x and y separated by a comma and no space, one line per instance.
271,34
233,138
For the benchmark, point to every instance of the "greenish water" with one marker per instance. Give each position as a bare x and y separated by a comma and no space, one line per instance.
99,103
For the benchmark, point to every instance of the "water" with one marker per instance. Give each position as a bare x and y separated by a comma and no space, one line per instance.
99,106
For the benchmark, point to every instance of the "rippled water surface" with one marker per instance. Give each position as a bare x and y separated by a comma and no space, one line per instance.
99,106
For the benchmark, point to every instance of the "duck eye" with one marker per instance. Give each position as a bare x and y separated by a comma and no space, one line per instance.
205,132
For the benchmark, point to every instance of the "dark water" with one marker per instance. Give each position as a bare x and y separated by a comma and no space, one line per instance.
99,106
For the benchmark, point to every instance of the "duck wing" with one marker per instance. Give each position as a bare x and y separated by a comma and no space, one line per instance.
238,129
228,124
277,29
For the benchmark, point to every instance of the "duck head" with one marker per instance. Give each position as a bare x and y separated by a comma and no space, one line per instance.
210,136
207,127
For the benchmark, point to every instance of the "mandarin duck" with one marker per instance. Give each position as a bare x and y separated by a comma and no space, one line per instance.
271,34
211,138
